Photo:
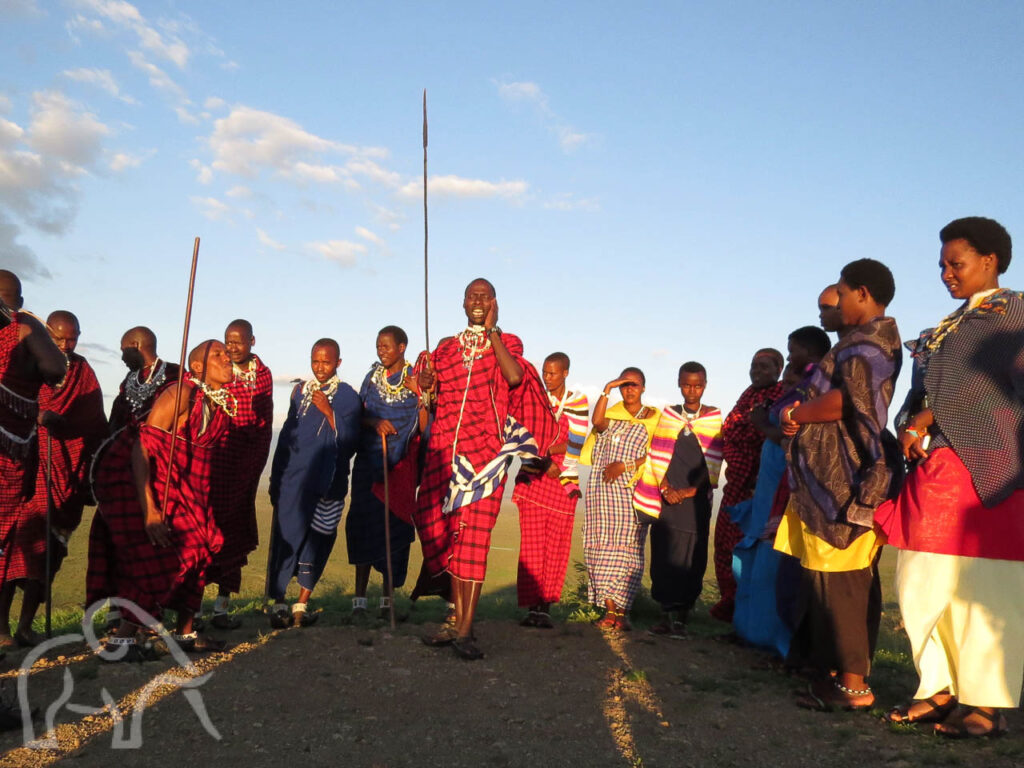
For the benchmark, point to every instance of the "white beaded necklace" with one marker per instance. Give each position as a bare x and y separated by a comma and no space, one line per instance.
222,398
138,392
329,388
391,393
474,343
246,375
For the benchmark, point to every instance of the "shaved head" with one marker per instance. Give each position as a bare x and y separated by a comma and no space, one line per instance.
209,363
10,289
140,337
486,282
64,330
330,344
64,317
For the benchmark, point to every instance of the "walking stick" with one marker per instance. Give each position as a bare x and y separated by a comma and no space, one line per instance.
49,536
387,529
270,549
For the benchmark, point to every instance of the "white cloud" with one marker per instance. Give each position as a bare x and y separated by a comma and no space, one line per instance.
5,104
457,186
569,202
101,78
531,93
389,218
212,208
343,252
205,175
157,77
38,168
80,23
127,16
269,241
366,234
184,116
60,129
239,191
214,102
122,160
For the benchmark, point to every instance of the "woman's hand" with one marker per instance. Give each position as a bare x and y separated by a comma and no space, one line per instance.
789,427
613,384
612,471
911,443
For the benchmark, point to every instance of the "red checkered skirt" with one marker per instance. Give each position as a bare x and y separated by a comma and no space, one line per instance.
546,516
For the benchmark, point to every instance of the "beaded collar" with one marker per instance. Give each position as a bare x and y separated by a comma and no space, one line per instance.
138,393
222,398
246,375
388,392
329,388
474,344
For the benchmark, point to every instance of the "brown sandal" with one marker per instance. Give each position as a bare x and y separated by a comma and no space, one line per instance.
935,713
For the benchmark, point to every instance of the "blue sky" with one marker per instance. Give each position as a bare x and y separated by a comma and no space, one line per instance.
645,183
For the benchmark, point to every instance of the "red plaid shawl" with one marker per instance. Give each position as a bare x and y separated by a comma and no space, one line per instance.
743,441
156,577
17,472
238,464
487,403
79,401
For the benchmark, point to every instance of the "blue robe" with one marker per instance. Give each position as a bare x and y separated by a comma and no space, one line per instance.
311,464
364,526
757,618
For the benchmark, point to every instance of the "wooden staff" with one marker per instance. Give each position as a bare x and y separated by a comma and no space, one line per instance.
387,529
49,537
181,377
426,232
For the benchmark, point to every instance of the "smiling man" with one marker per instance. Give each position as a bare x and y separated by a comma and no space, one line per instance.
236,474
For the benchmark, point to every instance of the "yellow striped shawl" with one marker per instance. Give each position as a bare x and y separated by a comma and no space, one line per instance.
618,412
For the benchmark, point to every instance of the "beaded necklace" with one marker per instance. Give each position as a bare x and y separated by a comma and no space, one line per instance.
246,375
391,393
222,398
329,388
137,392
474,343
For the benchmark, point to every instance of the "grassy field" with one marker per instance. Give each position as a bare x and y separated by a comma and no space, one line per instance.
499,594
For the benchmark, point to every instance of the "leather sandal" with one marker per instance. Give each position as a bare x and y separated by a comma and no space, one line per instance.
935,713
197,643
466,648
955,728
445,636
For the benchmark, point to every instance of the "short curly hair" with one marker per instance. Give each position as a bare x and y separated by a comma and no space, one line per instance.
984,235
873,275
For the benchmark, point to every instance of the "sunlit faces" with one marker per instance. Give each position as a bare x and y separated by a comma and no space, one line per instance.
389,353
965,272
479,296
214,366
238,343
65,335
324,362
855,304
554,375
692,386
763,371
632,388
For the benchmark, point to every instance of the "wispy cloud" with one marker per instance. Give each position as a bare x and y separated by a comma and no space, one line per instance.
343,252
102,79
212,208
458,186
569,202
268,241
569,138
126,16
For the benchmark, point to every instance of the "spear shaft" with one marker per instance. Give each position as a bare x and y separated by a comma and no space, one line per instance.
426,232
181,376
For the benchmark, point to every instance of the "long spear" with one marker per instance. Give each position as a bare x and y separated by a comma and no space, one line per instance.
426,232
181,376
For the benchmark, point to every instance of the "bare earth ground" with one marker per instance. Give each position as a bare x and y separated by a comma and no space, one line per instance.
337,694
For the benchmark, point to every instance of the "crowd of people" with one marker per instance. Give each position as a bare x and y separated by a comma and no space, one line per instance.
814,483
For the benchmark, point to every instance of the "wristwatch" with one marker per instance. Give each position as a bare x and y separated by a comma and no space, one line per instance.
494,329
